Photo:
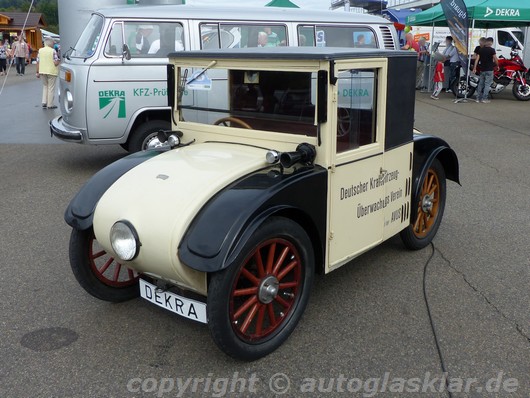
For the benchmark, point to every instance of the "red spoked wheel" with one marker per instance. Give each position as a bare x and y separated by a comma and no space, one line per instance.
107,269
265,289
98,272
254,304
430,208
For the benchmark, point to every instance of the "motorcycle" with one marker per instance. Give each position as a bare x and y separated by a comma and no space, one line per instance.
509,71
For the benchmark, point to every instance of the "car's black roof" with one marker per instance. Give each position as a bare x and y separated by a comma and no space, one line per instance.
294,53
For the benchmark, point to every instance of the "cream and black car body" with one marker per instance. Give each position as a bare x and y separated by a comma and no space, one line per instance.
313,162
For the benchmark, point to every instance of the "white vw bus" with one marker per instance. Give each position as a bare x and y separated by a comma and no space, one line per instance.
113,87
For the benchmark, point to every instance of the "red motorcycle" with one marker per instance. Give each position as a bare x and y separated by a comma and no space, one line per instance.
510,70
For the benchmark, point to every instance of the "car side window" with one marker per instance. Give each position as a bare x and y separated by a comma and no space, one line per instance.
153,39
356,118
336,36
239,35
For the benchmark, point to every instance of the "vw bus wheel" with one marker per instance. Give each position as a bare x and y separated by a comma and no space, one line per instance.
430,209
98,272
254,305
145,133
521,91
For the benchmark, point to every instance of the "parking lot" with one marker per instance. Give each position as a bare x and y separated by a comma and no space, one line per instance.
366,330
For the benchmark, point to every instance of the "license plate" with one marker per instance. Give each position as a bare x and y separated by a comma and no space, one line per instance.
170,301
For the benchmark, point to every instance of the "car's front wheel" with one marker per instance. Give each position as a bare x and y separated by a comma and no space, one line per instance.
98,272
430,208
254,305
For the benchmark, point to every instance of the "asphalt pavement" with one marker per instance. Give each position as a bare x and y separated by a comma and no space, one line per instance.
365,323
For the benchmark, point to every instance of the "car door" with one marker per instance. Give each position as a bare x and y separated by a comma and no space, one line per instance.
356,179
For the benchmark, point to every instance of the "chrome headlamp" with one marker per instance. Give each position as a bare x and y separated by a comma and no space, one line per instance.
124,240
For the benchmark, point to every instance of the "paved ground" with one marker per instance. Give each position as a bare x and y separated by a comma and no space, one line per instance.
364,323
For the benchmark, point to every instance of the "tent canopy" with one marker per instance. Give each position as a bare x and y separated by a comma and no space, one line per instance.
281,3
486,13
399,16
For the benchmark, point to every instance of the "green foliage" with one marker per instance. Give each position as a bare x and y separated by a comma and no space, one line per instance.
48,8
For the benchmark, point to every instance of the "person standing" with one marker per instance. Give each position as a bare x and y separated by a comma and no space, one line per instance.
451,56
481,43
487,57
47,62
438,80
420,64
3,58
410,44
21,54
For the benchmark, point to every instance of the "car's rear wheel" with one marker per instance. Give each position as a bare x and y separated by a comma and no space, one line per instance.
255,304
430,209
98,272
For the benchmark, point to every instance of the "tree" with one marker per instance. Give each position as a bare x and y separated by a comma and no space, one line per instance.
48,8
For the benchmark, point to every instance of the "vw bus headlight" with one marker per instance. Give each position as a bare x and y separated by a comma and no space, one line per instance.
68,101
124,240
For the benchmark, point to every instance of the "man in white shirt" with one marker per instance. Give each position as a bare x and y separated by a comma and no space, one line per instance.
451,54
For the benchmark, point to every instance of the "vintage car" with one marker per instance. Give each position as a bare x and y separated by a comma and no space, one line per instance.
227,220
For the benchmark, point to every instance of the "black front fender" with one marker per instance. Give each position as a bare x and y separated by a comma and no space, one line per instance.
80,212
220,230
426,149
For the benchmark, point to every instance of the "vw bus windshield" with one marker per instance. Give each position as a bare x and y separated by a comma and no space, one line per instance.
89,39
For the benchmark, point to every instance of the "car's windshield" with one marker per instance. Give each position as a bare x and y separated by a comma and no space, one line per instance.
88,41
277,101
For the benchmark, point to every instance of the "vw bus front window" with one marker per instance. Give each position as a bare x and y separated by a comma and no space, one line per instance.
89,39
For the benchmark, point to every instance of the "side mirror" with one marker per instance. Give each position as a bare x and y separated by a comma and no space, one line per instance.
126,53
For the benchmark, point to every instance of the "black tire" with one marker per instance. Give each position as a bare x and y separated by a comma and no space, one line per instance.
144,133
222,301
85,264
520,91
459,88
424,227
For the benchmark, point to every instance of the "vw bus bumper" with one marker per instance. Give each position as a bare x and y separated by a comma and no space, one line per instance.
59,129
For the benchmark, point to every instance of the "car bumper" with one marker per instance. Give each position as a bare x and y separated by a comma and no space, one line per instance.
59,129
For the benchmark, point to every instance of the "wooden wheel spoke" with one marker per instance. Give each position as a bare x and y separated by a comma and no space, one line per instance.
117,272
429,185
280,300
270,312
259,263
287,269
288,285
259,321
98,254
280,260
246,292
250,317
246,305
247,274
106,265
270,258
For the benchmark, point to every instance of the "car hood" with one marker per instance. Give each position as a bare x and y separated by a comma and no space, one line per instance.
160,198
